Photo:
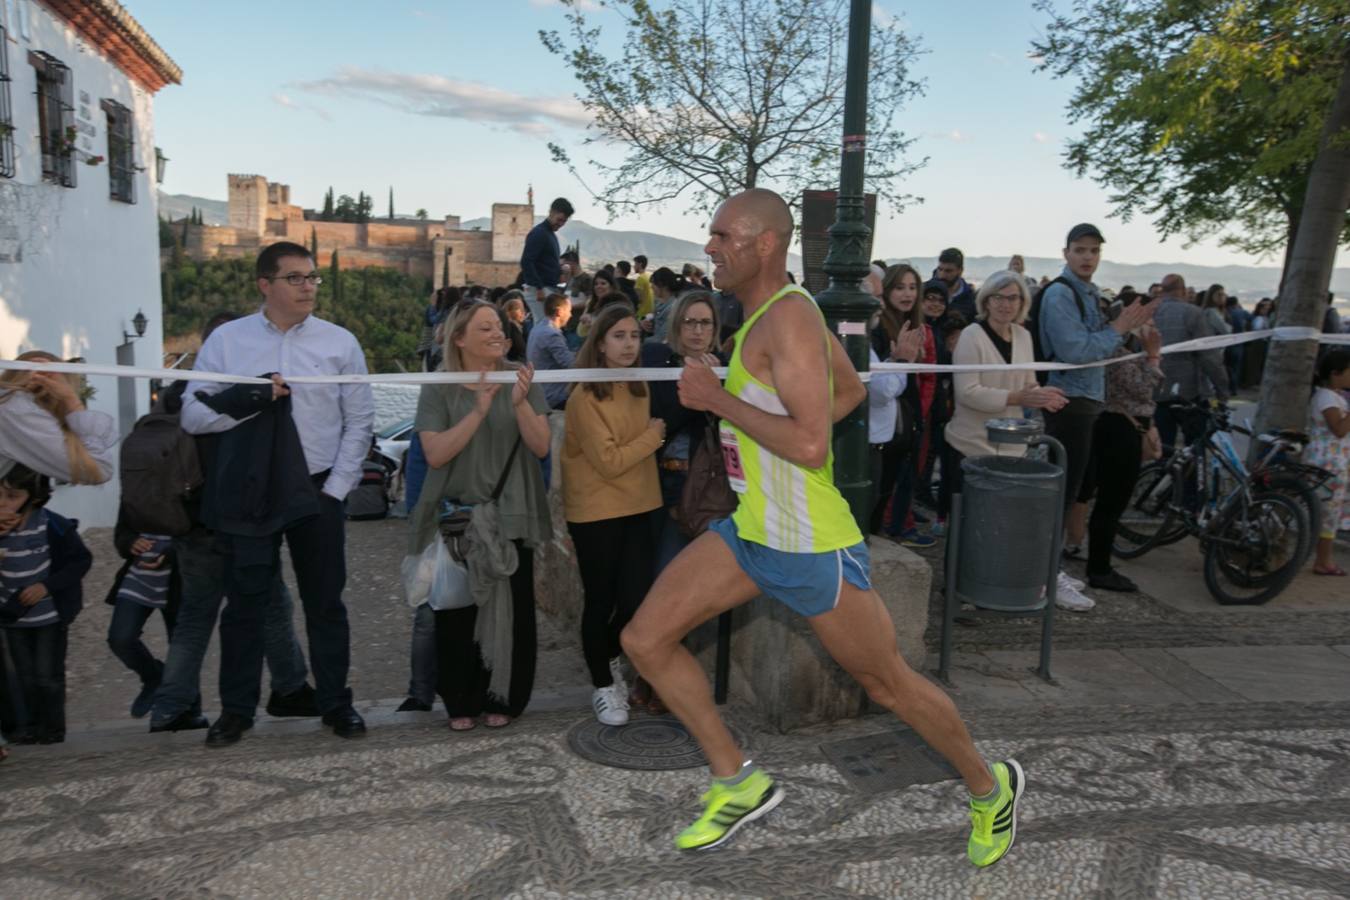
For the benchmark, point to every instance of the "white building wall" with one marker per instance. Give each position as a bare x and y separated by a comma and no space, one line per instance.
76,265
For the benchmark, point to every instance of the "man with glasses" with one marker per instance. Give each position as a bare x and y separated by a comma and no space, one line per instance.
334,426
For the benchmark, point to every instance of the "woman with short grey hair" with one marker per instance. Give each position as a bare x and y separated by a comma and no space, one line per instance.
997,337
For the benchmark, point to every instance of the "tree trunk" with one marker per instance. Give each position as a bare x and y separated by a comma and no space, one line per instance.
1290,238
1287,380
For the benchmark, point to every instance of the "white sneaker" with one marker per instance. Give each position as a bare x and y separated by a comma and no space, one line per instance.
616,672
1073,583
1070,598
610,705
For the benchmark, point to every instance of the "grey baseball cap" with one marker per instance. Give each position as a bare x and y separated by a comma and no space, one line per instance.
1083,230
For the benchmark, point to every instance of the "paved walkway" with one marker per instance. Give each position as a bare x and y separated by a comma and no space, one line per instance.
1184,750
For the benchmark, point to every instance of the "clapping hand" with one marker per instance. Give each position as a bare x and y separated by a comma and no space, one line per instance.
524,378
1152,340
484,394
908,344
1134,315
1047,398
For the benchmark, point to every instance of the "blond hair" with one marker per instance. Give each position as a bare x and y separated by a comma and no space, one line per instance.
83,469
456,325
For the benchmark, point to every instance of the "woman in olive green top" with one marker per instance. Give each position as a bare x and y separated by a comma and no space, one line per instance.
467,433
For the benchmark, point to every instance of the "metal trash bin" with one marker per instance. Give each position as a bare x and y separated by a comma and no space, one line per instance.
1007,503
1002,558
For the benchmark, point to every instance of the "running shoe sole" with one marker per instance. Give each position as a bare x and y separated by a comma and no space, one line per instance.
766,806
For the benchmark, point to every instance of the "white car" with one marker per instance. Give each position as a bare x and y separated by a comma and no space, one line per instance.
392,441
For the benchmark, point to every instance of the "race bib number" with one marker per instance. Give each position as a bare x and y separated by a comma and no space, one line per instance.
731,459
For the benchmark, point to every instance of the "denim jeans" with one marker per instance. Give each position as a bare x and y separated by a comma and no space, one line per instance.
38,656
202,570
422,685
124,639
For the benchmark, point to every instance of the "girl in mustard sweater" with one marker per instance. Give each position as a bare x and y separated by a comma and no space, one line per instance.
610,487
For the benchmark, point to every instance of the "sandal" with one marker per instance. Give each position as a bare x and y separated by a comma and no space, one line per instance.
496,720
1334,570
461,723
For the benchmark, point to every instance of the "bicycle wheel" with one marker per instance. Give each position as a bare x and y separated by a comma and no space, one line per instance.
1297,489
1148,521
1256,549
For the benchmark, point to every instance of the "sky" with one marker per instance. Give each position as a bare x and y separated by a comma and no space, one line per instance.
452,102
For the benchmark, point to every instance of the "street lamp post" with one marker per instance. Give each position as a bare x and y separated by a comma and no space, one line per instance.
847,307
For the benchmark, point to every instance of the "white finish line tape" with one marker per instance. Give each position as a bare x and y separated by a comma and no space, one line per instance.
571,376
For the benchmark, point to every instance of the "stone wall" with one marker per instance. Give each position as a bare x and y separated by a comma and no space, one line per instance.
248,203
510,223
394,403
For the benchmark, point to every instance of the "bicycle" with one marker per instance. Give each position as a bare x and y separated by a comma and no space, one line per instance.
1254,537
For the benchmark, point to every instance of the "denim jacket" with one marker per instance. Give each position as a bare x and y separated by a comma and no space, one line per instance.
1067,336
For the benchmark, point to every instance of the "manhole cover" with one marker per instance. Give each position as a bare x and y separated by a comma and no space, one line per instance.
887,761
652,743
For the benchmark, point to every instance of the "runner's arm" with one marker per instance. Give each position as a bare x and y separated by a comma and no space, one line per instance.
848,387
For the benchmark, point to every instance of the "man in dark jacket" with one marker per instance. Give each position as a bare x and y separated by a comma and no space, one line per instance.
541,260
961,297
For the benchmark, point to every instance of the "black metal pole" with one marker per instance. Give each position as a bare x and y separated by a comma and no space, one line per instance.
847,307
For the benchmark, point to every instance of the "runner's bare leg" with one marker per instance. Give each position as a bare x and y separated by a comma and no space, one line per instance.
860,635
700,583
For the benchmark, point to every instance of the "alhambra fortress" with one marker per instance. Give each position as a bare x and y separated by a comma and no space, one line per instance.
261,212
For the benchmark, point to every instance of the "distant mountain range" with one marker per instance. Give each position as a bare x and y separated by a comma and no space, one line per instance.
1248,282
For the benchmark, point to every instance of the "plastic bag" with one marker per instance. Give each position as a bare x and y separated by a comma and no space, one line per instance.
449,582
418,572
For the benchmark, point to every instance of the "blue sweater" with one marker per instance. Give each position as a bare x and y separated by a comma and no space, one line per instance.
541,260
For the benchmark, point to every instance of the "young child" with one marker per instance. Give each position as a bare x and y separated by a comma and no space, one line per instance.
42,560
1330,449
145,584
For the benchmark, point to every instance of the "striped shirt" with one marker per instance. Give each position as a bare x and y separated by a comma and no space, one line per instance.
148,587
26,559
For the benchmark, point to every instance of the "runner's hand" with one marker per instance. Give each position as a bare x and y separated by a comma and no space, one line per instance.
524,378
699,386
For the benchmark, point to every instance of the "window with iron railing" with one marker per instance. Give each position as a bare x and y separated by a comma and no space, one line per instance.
121,152
6,110
56,117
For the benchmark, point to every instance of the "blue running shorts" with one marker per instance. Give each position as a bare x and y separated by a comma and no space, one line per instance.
808,583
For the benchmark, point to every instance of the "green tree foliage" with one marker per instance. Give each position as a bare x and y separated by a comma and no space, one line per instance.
421,213
1203,114
386,317
709,97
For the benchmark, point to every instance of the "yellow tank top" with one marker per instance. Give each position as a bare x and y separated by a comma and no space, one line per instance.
780,504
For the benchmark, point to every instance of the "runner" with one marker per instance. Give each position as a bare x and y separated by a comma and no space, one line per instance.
791,538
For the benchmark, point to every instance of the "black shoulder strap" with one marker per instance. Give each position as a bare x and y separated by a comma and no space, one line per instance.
1077,297
506,470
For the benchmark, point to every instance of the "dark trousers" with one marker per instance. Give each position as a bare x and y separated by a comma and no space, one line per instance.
1192,425
37,695
616,558
1073,427
461,677
887,461
1116,449
318,555
124,639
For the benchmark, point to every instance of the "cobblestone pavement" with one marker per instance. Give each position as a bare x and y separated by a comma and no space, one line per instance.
1205,801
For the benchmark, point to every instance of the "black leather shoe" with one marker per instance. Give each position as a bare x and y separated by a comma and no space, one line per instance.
345,722
300,703
187,720
413,705
1112,581
228,729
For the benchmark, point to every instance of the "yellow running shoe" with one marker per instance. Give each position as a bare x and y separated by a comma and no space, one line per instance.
728,808
994,822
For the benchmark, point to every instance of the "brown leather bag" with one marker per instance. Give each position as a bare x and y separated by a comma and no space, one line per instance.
707,494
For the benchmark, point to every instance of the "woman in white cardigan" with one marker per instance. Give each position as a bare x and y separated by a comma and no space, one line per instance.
996,338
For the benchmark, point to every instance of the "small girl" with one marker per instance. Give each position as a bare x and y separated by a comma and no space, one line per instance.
610,488
1330,449
42,560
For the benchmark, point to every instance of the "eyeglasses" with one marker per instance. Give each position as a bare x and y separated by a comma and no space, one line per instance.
697,324
295,279
1005,298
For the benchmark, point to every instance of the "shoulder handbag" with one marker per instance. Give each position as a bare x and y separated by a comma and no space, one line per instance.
707,493
455,517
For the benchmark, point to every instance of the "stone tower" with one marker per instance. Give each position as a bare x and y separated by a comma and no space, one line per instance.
248,198
510,223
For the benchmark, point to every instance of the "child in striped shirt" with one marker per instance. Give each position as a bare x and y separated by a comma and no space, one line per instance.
42,560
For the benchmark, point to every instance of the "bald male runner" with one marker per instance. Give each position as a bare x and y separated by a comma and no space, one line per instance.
792,538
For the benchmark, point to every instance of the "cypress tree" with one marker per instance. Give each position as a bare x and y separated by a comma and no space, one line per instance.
327,214
391,202
335,274
313,243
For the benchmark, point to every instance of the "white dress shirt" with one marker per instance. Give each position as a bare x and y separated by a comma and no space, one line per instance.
883,393
32,436
335,421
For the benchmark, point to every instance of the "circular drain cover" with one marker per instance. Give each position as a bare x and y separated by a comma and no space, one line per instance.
652,743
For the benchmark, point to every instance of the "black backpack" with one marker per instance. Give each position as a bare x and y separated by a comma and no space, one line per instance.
1033,324
160,470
